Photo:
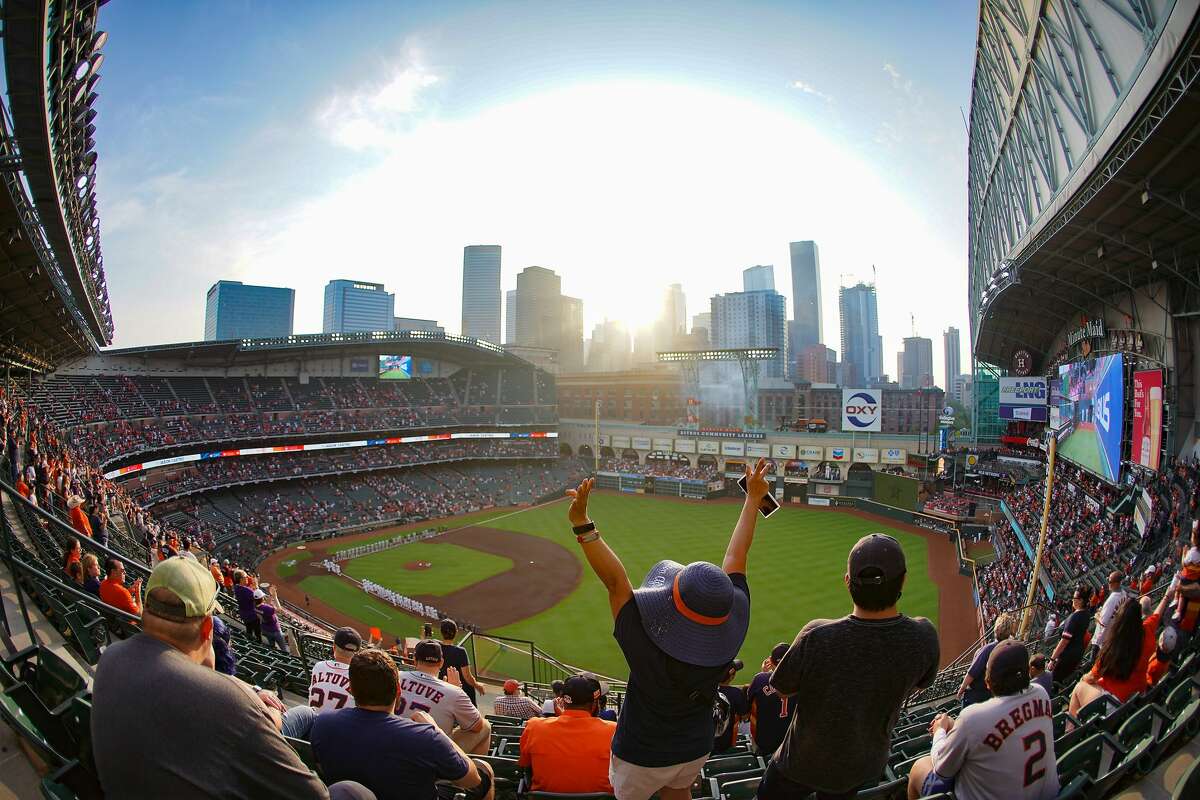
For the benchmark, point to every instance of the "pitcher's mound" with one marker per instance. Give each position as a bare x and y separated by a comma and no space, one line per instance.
418,565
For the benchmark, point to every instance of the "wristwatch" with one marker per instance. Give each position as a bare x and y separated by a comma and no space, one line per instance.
586,527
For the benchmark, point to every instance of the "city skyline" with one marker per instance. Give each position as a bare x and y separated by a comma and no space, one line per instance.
834,124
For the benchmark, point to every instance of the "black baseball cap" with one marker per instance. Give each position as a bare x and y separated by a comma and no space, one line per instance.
581,689
347,639
1008,664
875,559
779,651
428,651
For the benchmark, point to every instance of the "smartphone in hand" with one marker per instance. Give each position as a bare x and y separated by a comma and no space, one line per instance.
769,504
428,630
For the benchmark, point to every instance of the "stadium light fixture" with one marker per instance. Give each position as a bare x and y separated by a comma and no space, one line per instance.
81,69
99,40
81,182
1100,251
1145,196
96,62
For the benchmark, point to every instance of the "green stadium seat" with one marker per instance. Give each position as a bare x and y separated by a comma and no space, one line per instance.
1097,709
1077,789
1139,734
71,782
718,783
738,763
507,773
305,751
508,731
1099,757
12,714
744,789
509,748
499,719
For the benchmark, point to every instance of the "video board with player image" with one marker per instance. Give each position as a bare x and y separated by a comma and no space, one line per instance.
1091,414
395,368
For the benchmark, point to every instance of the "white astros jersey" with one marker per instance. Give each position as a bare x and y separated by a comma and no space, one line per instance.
446,703
330,686
1003,747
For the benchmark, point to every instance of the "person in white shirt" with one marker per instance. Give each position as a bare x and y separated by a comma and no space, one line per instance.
1000,749
548,707
330,685
1116,596
444,701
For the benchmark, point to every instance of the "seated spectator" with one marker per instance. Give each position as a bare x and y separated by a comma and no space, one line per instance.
91,574
552,705
330,683
678,632
1039,674
113,591
974,688
570,753
1164,655
606,713
455,656
269,619
514,704
445,701
79,519
1122,667
770,712
852,675
999,749
728,711
73,554
1186,584
75,573
392,756
199,733
1073,640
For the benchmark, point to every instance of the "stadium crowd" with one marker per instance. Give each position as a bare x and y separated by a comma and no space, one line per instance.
660,468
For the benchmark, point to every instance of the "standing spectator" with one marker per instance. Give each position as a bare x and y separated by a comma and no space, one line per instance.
974,687
246,610
330,683
397,758
852,675
1116,596
1122,667
455,656
550,706
113,591
269,619
678,632
729,710
1071,643
999,749
200,733
770,711
1051,626
214,567
79,520
225,660
513,704
445,702
570,753
98,520
1186,584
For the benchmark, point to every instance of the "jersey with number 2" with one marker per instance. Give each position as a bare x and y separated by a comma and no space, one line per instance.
330,686
446,703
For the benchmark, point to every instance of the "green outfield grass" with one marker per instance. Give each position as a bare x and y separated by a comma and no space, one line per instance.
453,568
478,518
795,572
1083,447
352,600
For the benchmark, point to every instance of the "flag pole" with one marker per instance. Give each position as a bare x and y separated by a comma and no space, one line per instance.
1037,561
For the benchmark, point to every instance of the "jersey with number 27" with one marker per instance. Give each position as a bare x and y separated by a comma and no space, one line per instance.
445,702
1003,747
330,686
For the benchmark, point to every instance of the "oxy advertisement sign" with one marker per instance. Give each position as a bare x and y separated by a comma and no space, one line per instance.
1147,418
862,410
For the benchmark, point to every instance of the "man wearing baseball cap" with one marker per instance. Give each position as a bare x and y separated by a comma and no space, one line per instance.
514,704
852,674
570,753
329,687
999,749
198,732
679,632
444,701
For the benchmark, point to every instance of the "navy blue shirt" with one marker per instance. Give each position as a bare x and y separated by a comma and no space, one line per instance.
395,758
978,691
667,715
770,714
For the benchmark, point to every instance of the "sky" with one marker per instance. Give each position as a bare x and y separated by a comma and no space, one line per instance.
624,145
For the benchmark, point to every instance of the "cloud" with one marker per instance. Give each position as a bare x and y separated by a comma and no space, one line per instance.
898,80
373,117
808,88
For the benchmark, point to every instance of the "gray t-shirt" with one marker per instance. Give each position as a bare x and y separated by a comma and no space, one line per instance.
164,726
851,676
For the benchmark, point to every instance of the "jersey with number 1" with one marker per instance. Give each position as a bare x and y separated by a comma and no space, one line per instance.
330,687
445,702
770,714
1003,747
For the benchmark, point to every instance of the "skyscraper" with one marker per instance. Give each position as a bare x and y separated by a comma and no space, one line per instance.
806,293
671,324
862,347
539,308
817,364
952,355
235,310
570,342
917,370
759,278
752,319
510,317
357,306
610,350
481,292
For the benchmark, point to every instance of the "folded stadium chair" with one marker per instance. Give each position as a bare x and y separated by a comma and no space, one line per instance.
507,773
12,715
889,785
498,719
1189,783
560,796
71,782
1139,736
1099,757
508,731
745,789
509,748
53,680
1098,709
1077,789
1060,721
738,763
902,751
902,768
1073,737
305,751
718,783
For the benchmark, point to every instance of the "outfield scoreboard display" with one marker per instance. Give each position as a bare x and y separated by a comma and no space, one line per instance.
1091,414
395,368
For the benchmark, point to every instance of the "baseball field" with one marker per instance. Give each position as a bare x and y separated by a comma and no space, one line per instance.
519,573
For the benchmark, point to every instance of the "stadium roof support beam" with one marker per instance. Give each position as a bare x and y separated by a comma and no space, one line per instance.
748,359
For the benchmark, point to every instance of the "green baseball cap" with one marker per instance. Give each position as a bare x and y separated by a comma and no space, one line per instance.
187,580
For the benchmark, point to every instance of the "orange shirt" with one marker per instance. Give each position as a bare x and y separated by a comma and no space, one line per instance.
23,488
79,521
1137,680
216,573
113,592
1157,669
569,753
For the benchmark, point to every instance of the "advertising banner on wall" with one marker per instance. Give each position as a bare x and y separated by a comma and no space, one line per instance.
605,440
685,445
663,445
733,448
709,448
862,410
837,454
866,455
620,442
756,450
783,451
1147,417
807,453
1023,399
641,442
892,455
